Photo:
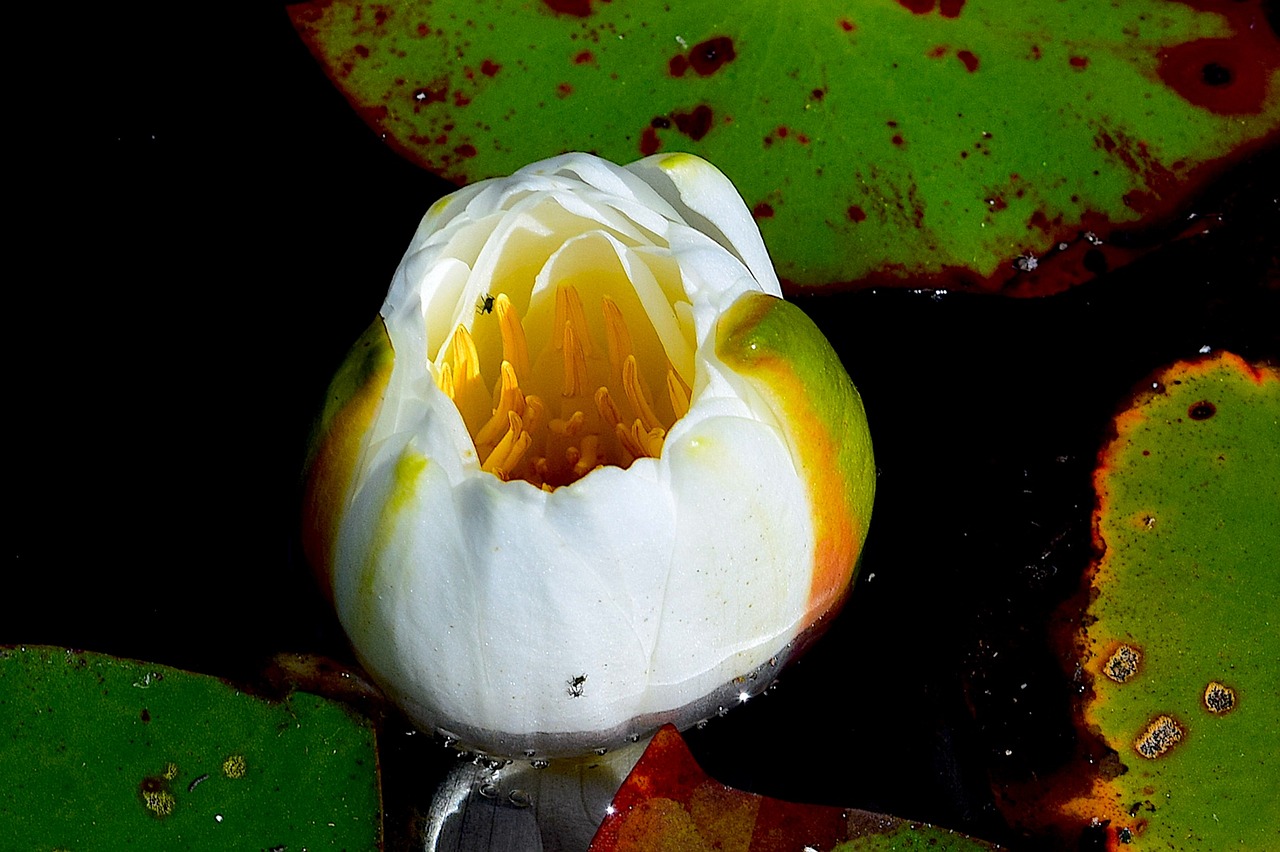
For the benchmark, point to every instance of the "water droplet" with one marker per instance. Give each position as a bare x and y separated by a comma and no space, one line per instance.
520,798
633,738
702,724
601,751
540,763
489,791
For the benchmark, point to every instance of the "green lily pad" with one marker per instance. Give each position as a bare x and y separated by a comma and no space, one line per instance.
669,803
103,753
1180,640
981,144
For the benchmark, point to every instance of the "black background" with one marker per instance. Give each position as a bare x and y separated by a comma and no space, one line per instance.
203,228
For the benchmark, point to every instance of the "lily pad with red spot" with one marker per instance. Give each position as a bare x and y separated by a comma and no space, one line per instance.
669,803
980,144
1180,645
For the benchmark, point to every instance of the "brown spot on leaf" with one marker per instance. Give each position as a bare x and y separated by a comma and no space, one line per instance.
577,8
1202,410
563,90
856,213
586,57
705,57
694,123
488,68
710,56
1079,62
969,59
762,211
1227,76
429,95
1123,663
465,150
1219,698
847,25
948,8
1162,734
361,51
649,142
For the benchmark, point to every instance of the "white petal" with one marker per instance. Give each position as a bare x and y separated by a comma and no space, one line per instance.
708,201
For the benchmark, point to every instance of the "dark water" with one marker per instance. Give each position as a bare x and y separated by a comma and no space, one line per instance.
222,227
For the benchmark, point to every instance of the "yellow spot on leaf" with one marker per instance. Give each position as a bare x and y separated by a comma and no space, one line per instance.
1162,734
234,766
1219,698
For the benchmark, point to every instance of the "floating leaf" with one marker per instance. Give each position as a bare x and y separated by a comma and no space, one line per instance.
984,144
669,803
103,753
1180,642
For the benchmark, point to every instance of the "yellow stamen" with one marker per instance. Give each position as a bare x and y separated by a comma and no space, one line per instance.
619,336
570,428
636,396
608,411
445,380
678,395
575,363
589,456
569,310
466,361
510,400
515,434
469,391
630,446
535,414
515,348
510,449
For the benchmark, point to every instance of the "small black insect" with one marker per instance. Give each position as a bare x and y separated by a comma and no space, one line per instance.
486,304
576,685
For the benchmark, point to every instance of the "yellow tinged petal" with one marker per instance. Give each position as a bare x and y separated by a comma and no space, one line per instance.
353,399
782,353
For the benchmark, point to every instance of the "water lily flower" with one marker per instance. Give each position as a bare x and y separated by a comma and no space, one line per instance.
587,473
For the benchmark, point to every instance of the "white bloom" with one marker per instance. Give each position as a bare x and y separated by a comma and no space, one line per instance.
588,473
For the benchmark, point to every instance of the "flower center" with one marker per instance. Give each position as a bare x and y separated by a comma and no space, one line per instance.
559,410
